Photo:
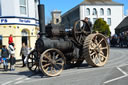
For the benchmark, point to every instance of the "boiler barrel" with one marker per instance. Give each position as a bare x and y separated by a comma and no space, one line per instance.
63,45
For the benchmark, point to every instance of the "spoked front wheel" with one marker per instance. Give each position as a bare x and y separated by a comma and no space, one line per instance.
52,62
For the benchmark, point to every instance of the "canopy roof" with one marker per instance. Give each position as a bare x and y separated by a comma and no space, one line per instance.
123,26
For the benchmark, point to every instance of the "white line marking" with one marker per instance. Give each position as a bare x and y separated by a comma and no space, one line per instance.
18,82
122,71
12,81
7,83
115,79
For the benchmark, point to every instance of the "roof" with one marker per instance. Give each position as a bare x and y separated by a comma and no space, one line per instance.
99,2
93,2
123,25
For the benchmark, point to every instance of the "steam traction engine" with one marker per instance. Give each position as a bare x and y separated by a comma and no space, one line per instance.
58,46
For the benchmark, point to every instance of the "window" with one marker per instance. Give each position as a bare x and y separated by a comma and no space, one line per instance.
108,11
101,11
57,21
88,11
94,11
109,21
94,19
23,7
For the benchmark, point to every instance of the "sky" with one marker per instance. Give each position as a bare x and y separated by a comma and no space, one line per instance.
65,5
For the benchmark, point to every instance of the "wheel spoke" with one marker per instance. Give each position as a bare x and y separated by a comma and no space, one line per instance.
104,48
35,68
60,59
96,42
98,60
93,53
102,55
47,57
57,55
46,65
56,66
60,63
44,61
101,41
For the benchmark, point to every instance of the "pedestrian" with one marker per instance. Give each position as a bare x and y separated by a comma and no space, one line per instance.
12,57
24,53
0,57
10,39
89,24
5,56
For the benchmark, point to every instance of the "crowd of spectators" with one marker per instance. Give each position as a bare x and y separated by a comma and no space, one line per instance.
120,40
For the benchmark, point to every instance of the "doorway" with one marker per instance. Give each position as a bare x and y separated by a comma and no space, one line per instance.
25,38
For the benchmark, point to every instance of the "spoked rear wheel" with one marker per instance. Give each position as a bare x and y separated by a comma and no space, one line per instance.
33,62
52,62
96,50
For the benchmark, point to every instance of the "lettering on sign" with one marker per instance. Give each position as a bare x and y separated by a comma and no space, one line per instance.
4,20
24,21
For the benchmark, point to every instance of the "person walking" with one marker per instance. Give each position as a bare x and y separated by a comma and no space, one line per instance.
12,57
24,53
10,39
5,56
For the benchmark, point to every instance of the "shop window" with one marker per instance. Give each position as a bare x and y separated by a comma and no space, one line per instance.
23,7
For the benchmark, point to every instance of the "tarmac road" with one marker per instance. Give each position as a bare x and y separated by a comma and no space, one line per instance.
115,72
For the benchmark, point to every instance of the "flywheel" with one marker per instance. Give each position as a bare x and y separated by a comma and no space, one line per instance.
80,30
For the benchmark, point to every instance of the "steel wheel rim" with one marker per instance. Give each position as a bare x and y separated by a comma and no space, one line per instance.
32,62
98,50
79,32
52,62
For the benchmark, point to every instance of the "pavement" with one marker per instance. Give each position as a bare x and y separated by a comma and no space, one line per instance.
18,67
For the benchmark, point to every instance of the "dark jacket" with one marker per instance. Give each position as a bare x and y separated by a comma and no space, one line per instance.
88,26
4,53
12,60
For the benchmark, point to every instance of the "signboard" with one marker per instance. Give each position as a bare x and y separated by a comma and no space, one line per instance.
18,21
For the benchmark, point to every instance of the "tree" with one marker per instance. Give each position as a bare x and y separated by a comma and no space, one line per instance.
102,27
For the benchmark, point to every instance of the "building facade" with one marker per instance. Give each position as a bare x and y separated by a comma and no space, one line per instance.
19,18
56,17
111,12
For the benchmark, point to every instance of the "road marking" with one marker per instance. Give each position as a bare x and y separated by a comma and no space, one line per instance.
125,75
12,81
18,82
115,79
122,71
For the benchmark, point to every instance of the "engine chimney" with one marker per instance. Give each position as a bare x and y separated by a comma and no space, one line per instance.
41,13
